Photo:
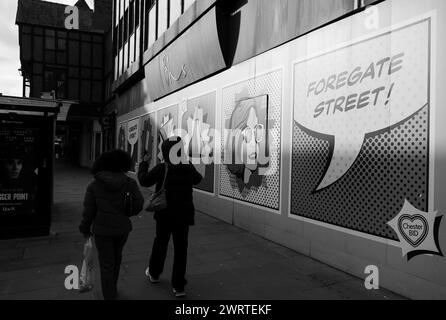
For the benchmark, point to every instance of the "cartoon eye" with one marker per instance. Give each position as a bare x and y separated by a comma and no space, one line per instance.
247,134
259,132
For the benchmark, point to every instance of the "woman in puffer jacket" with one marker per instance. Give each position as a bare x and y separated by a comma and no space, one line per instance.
111,199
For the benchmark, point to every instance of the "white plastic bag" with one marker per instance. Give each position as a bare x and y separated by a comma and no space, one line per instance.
86,276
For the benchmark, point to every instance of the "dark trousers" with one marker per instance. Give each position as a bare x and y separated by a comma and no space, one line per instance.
180,235
110,258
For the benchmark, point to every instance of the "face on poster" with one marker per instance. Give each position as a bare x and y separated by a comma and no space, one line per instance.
246,140
361,133
198,122
147,129
18,170
132,142
167,126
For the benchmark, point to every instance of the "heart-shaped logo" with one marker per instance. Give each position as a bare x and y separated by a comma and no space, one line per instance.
413,228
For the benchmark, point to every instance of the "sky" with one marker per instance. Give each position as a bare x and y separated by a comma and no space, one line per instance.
10,80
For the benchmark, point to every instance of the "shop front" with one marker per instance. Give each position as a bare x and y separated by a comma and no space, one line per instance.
344,145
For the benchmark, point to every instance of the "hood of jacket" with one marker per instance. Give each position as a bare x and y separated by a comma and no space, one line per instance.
111,181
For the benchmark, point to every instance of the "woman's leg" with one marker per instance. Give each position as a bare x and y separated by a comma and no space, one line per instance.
106,255
159,250
119,244
180,242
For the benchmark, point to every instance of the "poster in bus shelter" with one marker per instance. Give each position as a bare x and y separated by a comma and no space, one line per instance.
18,170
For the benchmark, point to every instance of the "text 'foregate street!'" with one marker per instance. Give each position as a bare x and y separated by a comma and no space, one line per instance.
382,68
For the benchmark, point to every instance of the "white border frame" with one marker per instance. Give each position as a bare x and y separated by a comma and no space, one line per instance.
278,211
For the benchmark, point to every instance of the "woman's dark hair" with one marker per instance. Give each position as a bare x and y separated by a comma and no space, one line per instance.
117,161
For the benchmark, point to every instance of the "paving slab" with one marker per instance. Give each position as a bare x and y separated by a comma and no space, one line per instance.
225,262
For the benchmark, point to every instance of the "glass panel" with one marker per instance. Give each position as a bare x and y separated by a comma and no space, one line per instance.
37,68
50,33
152,26
50,43
175,10
117,7
97,91
85,73
73,72
26,29
85,90
188,3
62,44
137,12
49,84
26,47
162,17
37,87
132,48
126,57
97,74
97,55
38,48
86,54
74,52
132,17
50,56
73,89
61,57
73,35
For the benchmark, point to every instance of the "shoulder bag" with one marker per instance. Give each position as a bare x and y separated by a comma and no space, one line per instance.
158,200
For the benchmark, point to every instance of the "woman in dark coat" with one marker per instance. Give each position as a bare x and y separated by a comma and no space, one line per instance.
111,199
179,215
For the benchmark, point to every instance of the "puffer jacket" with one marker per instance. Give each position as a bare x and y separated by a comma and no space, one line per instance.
104,205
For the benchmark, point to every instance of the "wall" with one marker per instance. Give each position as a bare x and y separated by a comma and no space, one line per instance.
344,237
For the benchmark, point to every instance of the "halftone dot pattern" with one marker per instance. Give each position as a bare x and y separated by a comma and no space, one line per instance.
391,167
268,194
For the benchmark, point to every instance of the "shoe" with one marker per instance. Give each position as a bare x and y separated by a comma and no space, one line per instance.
151,279
179,293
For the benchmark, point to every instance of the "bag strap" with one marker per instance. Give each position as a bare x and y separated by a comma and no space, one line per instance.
165,176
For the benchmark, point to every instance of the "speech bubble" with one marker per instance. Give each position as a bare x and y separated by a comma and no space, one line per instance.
361,89
133,134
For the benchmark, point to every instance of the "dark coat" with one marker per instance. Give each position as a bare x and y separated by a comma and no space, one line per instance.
179,190
104,205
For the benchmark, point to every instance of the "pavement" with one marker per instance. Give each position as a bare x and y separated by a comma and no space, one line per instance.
225,262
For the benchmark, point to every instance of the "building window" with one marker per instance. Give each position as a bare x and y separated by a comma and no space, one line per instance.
175,10
187,4
152,25
137,12
132,17
163,19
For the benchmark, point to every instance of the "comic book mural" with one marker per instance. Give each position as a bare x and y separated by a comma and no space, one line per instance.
19,170
147,129
361,132
133,142
251,140
167,120
198,120
122,136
